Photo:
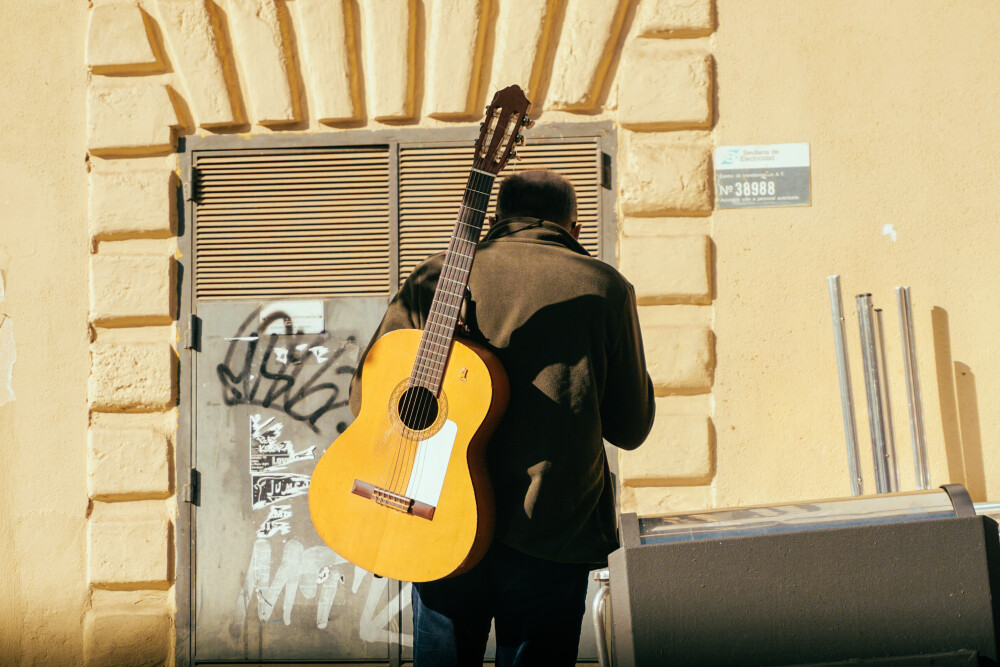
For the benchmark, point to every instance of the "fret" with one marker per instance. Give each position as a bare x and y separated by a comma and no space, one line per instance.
427,365
461,283
439,329
469,256
443,291
443,346
473,208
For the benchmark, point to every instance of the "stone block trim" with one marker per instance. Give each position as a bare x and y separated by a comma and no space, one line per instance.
133,201
390,34
524,30
669,269
680,359
658,500
666,174
127,462
661,89
129,118
675,18
119,42
131,377
123,637
328,46
129,544
131,288
202,57
677,451
457,35
266,58
590,32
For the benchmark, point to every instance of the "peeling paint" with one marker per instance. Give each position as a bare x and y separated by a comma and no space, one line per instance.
887,230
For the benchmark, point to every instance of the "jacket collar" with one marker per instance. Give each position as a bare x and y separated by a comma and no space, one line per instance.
534,229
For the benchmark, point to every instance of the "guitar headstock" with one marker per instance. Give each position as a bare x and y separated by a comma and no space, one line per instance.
502,129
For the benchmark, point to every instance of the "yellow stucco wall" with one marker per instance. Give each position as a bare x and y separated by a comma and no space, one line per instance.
897,102
43,261
900,106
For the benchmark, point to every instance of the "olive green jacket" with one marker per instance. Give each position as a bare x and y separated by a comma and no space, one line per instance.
564,325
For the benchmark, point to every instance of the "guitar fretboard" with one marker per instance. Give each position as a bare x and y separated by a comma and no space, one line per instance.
439,331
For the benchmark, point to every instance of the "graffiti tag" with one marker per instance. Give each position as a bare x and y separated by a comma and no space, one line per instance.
294,376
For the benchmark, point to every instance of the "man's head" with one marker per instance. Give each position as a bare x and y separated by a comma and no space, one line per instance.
539,193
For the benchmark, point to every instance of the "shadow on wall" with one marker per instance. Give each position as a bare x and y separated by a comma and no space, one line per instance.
963,443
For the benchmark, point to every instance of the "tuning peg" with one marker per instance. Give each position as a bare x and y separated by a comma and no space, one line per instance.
527,122
481,126
514,156
519,140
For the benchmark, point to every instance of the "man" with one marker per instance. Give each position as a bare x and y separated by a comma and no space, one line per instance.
564,326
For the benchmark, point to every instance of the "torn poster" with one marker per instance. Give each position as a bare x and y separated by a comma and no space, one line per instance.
271,488
267,452
269,455
276,522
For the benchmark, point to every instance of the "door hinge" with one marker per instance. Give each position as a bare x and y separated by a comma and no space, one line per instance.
605,171
188,185
192,337
191,492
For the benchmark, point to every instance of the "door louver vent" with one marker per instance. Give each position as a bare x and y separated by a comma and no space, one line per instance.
432,180
291,223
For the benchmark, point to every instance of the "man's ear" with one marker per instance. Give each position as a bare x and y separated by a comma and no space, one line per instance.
575,231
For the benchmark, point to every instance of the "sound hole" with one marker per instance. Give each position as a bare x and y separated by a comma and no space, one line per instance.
418,408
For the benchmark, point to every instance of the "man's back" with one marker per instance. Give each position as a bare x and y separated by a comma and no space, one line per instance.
563,325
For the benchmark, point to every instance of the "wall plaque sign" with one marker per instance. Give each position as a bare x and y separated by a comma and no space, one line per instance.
759,176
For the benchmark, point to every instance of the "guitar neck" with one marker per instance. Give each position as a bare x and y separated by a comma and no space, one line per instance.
439,332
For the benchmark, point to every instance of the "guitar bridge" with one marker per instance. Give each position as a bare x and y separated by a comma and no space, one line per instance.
394,501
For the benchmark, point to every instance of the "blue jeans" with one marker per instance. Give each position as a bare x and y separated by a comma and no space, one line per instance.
538,607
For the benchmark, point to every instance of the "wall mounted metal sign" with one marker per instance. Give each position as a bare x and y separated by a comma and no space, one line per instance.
759,176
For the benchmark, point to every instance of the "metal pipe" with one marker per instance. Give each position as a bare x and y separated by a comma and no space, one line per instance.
600,625
870,367
846,398
892,468
913,399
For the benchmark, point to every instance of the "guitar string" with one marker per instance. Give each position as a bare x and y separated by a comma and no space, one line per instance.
425,371
428,369
418,376
405,447
463,266
421,374
466,263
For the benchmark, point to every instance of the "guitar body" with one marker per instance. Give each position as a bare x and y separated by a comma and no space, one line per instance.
428,513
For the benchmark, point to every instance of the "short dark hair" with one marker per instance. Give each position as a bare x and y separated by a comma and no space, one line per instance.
537,193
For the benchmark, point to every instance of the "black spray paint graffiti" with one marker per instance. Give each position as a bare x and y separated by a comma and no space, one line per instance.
268,373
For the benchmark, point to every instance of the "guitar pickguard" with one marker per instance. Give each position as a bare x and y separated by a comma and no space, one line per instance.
430,465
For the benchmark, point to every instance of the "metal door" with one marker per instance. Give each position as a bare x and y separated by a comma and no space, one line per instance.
271,388
271,384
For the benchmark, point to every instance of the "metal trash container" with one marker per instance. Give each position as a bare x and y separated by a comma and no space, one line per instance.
875,580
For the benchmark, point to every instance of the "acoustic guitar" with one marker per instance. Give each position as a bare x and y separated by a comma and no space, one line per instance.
404,491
